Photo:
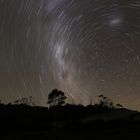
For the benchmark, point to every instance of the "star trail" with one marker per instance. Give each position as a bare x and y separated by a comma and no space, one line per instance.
83,47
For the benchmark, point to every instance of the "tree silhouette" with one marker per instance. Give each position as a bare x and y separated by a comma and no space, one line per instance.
56,97
25,101
105,101
119,106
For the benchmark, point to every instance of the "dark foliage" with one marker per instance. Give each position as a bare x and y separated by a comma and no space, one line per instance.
56,97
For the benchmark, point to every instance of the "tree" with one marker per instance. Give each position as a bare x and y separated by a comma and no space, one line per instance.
25,101
56,97
119,106
105,101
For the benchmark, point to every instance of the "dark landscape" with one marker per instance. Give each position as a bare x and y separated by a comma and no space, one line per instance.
104,120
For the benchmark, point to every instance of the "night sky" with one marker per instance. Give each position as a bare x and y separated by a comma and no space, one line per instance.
83,47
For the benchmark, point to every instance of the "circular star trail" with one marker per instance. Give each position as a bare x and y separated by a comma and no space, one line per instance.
83,47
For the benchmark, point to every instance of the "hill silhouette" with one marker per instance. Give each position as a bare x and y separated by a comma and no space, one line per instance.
67,121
